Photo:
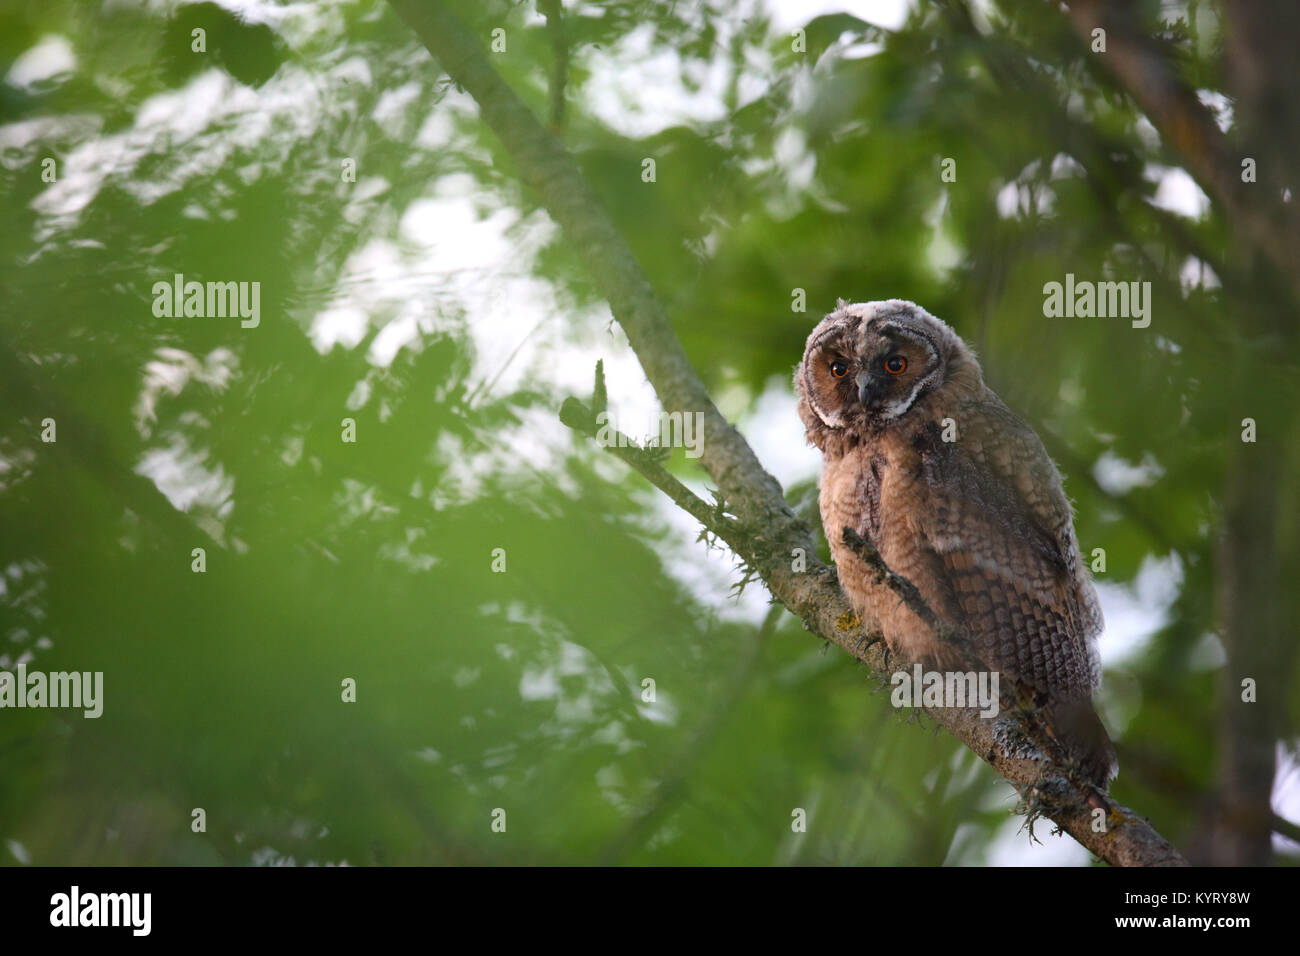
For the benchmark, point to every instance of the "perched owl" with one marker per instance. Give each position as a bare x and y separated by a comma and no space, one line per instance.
959,496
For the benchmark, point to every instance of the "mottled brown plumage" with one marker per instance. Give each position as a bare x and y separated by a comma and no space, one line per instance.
960,497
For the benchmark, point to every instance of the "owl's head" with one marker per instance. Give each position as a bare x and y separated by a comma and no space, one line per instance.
869,365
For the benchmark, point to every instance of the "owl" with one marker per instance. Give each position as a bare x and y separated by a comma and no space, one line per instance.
959,496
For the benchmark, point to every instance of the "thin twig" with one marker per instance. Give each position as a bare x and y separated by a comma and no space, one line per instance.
1284,827
579,417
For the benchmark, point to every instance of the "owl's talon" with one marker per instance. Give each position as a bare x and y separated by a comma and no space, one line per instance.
866,641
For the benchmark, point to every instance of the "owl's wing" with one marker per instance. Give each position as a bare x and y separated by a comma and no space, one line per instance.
1001,530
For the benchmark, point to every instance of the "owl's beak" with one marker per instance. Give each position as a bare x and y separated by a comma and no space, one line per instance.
863,381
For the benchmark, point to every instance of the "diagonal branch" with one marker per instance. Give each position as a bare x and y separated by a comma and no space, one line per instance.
1142,66
766,533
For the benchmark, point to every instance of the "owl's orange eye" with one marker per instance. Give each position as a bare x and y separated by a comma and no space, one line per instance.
895,365
839,368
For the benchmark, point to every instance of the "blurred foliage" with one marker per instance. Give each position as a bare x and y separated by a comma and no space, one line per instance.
819,170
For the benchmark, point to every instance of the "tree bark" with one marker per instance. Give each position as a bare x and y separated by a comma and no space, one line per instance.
1237,830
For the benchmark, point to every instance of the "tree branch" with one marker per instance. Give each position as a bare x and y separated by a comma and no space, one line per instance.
577,416
1140,64
766,533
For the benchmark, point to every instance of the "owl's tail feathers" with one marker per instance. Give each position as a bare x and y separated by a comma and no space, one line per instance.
1076,725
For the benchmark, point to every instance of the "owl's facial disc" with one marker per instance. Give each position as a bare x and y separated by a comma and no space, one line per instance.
868,364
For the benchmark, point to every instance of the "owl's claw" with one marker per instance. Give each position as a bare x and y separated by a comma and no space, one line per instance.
865,641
